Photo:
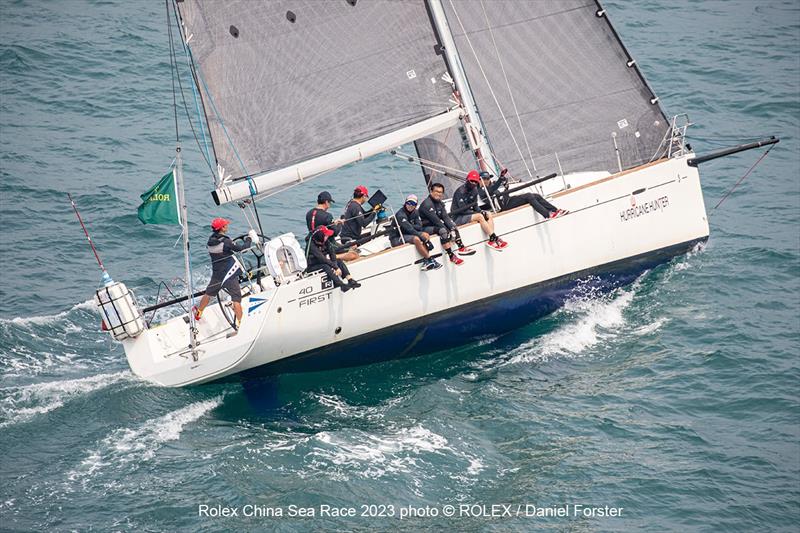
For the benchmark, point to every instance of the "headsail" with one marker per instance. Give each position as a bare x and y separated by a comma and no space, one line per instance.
550,78
291,80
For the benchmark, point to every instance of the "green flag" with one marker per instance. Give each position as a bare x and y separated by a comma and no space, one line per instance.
160,203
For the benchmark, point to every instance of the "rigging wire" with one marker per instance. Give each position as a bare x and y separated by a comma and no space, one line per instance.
491,90
172,68
197,77
190,60
508,85
176,74
743,177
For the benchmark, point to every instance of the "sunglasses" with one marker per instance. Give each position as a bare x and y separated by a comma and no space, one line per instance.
411,202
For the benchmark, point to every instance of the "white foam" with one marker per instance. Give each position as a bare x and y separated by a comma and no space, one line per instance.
20,404
47,319
375,455
141,444
651,328
597,319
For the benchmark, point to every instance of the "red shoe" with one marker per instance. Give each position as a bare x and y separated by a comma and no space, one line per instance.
555,214
465,251
501,243
456,260
495,245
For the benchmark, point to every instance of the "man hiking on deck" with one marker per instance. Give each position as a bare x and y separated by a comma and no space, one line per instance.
438,222
225,268
409,229
508,202
464,209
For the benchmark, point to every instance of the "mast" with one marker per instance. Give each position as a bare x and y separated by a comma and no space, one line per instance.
477,138
185,225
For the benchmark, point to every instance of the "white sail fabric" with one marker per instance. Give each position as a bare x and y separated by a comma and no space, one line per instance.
285,81
554,84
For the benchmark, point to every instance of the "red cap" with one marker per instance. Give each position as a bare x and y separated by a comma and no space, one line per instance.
474,176
219,223
361,190
322,233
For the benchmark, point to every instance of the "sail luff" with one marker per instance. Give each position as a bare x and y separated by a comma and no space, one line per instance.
479,141
293,174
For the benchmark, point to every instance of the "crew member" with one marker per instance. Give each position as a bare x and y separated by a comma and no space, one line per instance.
225,268
320,216
437,222
507,202
409,225
355,219
322,256
464,209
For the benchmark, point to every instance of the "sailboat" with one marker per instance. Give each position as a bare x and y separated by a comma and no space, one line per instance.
292,89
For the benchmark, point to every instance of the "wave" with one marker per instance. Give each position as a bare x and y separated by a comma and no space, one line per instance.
20,404
128,445
47,319
374,455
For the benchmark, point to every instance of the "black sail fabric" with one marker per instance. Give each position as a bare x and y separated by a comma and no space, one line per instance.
287,80
445,158
550,78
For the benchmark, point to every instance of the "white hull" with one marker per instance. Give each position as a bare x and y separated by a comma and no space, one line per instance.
302,323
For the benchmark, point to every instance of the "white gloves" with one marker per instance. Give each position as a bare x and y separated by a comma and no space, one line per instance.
253,236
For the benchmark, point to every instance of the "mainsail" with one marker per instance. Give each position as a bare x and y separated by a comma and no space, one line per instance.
288,81
554,86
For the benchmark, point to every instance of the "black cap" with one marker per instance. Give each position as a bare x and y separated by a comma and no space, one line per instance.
325,196
485,175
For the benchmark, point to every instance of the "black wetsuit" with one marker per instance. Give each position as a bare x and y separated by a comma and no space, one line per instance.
322,256
221,249
355,220
317,217
536,201
435,219
410,226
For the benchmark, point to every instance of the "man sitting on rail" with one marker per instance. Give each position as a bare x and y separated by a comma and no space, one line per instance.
464,209
355,220
322,256
438,222
408,229
507,202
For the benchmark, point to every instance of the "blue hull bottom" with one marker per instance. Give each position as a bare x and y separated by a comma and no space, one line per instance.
460,325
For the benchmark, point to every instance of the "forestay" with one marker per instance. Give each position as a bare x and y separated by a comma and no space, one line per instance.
551,77
287,81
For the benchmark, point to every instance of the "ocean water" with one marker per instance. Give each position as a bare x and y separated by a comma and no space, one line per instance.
675,399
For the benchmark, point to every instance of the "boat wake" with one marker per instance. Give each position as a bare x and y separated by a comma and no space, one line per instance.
22,403
126,445
589,320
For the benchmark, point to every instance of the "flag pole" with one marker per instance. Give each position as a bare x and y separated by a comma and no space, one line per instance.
185,225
